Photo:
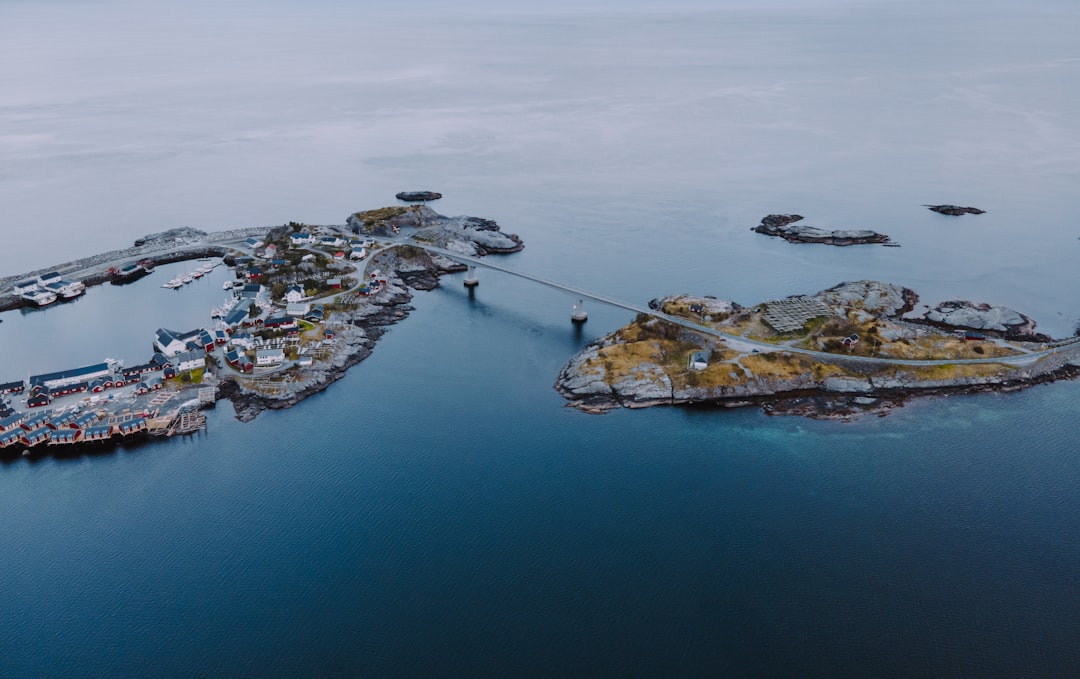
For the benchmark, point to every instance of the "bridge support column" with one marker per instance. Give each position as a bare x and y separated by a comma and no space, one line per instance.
471,279
578,314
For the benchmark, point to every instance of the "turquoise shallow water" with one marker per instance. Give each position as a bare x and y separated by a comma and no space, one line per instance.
439,511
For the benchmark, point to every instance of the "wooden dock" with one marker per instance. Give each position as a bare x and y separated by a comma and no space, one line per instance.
187,422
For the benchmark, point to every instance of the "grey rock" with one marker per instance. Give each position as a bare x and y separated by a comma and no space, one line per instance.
970,316
418,196
955,210
784,227
880,299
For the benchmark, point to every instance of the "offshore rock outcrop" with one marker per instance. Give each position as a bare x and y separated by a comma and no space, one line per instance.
784,226
418,196
955,210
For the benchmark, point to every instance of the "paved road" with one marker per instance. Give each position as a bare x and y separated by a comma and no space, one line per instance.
1027,358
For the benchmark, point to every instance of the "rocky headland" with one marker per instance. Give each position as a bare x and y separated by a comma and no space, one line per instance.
784,226
468,235
838,353
955,210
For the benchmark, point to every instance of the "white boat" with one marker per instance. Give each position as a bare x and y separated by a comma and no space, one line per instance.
66,289
72,289
40,297
187,278
227,285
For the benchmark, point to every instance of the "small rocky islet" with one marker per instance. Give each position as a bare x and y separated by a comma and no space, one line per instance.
784,226
954,210
856,348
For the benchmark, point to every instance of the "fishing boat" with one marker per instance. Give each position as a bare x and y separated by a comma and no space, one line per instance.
127,273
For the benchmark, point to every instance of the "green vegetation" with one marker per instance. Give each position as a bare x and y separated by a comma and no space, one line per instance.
372,218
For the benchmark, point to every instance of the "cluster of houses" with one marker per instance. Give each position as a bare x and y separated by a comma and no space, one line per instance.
376,282
70,426
42,389
63,428
357,248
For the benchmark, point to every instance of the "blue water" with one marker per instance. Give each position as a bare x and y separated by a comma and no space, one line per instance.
438,510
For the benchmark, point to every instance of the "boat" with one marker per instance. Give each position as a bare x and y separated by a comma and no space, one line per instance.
127,273
71,290
187,278
66,289
39,297
227,285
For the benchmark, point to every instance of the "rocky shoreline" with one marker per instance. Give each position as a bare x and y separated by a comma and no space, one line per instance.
645,364
840,400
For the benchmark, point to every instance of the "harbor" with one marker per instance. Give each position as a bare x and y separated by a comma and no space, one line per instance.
101,404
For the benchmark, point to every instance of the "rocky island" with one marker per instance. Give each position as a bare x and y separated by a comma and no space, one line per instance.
855,348
954,210
784,226
418,196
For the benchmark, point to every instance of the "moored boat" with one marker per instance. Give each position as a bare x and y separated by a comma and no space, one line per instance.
40,297
127,273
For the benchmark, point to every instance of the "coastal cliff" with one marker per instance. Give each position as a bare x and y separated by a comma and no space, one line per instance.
837,353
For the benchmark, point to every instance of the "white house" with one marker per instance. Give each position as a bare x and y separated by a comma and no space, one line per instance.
242,340
303,238
170,342
297,309
269,357
270,252
190,360
308,258
358,254
294,294
331,241
699,360
253,243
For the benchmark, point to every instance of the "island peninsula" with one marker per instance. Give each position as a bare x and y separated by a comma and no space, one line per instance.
855,348
309,302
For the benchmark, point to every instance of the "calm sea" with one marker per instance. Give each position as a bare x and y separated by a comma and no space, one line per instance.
439,511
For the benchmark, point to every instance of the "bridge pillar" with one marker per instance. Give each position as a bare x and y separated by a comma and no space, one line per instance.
578,314
471,279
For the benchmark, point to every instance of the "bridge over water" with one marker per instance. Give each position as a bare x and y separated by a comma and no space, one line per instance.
469,260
